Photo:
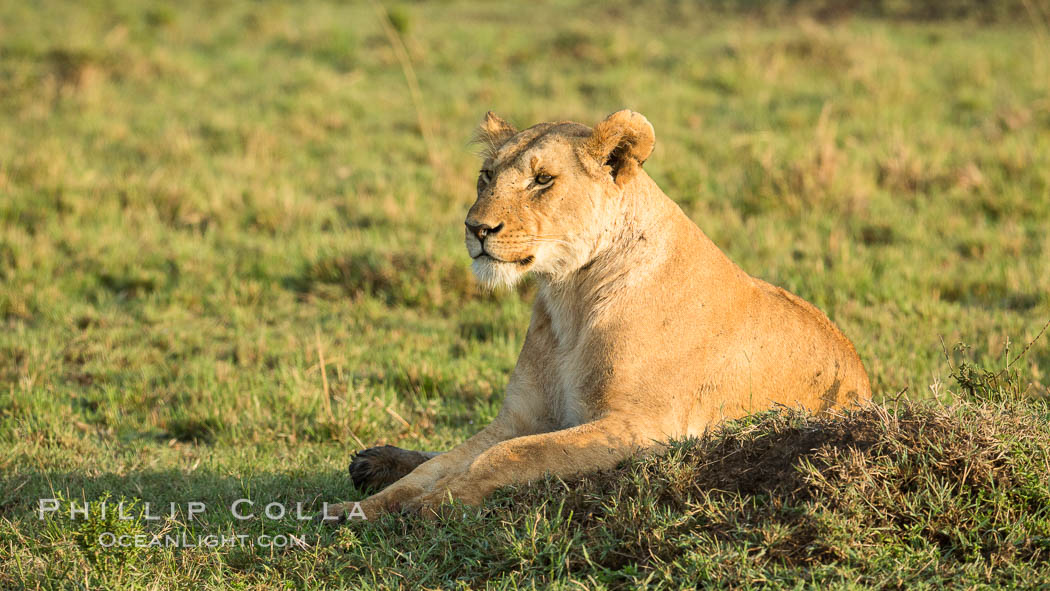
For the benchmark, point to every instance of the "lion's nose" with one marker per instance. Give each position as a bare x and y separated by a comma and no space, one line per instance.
483,230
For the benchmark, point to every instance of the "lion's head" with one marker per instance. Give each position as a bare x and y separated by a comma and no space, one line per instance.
549,197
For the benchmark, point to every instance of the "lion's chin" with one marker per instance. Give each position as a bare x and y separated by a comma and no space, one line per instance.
493,274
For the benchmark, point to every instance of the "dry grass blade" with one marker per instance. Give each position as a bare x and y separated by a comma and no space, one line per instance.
398,45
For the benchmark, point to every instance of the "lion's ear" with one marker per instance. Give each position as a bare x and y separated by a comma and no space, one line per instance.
492,132
623,141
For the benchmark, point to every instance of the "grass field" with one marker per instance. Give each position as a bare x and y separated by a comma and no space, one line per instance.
231,254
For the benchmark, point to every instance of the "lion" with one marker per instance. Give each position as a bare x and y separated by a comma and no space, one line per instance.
642,330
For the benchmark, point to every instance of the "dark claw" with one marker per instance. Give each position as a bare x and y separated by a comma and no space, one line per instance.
332,520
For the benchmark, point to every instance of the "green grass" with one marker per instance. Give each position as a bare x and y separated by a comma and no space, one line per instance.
196,204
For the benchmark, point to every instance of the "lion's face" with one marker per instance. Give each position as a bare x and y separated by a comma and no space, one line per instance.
538,208
547,196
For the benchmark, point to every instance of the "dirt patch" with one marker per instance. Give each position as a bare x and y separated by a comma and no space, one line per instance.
964,482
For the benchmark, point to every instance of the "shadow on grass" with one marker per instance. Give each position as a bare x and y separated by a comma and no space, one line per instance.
200,526
294,492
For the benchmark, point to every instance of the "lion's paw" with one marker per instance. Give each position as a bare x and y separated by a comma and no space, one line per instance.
378,467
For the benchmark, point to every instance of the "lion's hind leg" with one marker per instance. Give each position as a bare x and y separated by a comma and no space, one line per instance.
378,467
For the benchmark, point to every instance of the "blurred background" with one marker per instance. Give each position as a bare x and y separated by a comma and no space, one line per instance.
239,224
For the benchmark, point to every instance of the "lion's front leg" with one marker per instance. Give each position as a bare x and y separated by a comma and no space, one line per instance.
593,446
525,411
405,492
401,494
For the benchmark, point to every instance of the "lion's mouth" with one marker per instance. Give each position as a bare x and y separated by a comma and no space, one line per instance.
520,262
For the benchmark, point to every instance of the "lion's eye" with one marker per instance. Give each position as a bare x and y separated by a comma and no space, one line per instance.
543,179
485,176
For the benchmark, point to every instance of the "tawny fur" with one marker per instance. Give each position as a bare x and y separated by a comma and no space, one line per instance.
642,329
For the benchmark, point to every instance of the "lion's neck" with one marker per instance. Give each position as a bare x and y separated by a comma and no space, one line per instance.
630,252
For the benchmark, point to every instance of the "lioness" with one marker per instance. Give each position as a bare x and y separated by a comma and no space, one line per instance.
642,329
